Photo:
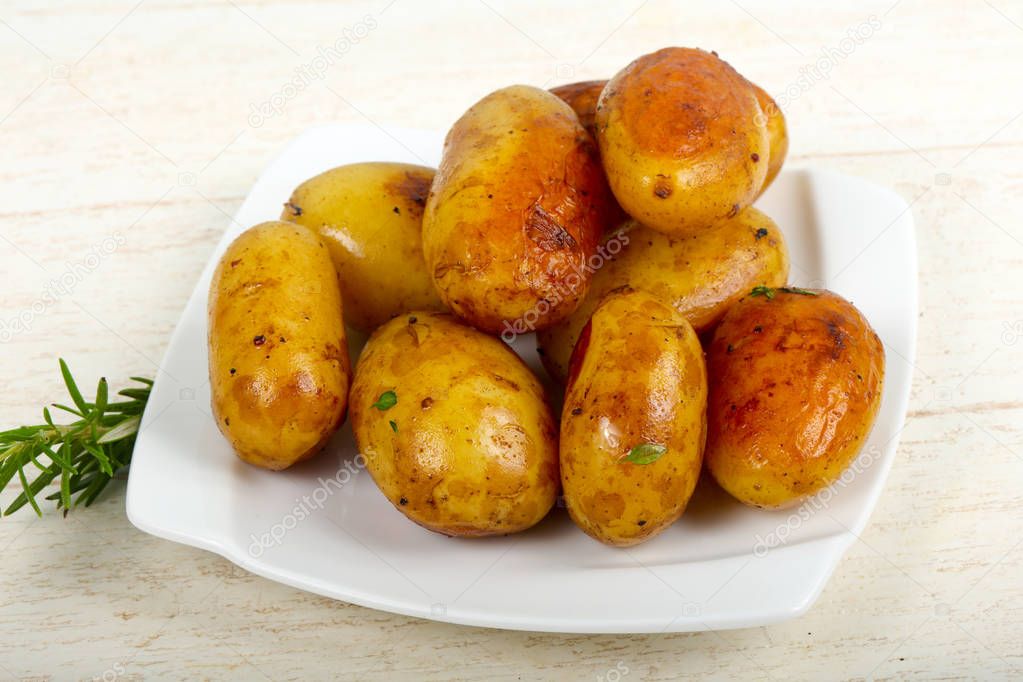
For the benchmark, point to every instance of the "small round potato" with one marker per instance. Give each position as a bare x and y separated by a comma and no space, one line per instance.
795,385
777,134
278,358
455,429
683,140
517,208
370,215
634,423
700,275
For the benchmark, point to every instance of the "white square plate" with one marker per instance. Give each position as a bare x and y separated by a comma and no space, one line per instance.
324,527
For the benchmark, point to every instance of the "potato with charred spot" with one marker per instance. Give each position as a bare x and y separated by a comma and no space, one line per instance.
777,134
634,421
370,215
795,384
518,206
278,359
700,275
683,140
455,429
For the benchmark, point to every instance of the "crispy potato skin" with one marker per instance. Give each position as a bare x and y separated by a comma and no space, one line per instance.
370,215
683,140
637,377
777,134
795,385
474,447
700,275
279,368
518,205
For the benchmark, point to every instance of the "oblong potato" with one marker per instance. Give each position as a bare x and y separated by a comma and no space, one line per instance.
634,423
777,134
700,275
682,140
279,368
370,216
455,429
517,208
795,385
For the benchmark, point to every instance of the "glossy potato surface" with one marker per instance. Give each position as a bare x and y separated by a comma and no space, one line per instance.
370,216
469,446
777,134
795,385
637,380
518,206
278,360
700,275
582,97
683,140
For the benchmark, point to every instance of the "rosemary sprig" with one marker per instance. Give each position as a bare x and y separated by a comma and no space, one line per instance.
84,455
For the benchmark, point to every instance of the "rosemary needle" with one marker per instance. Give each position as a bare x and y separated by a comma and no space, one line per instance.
84,455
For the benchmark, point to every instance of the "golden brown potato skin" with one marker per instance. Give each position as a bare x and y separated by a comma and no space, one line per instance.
582,97
637,377
279,367
795,384
473,448
700,275
683,140
370,215
777,134
518,205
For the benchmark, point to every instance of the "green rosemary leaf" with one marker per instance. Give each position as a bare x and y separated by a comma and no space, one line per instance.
67,409
27,491
72,388
101,396
126,429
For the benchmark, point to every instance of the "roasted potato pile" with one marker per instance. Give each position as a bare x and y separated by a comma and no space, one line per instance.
614,218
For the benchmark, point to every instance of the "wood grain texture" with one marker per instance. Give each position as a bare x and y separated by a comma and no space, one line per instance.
133,121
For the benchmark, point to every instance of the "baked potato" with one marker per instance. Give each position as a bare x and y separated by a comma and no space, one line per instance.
634,422
582,97
278,359
682,139
700,275
516,211
795,384
777,134
455,429
370,216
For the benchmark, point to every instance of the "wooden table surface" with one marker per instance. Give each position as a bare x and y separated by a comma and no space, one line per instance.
130,131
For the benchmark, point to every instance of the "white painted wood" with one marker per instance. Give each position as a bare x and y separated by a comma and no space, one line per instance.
128,119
